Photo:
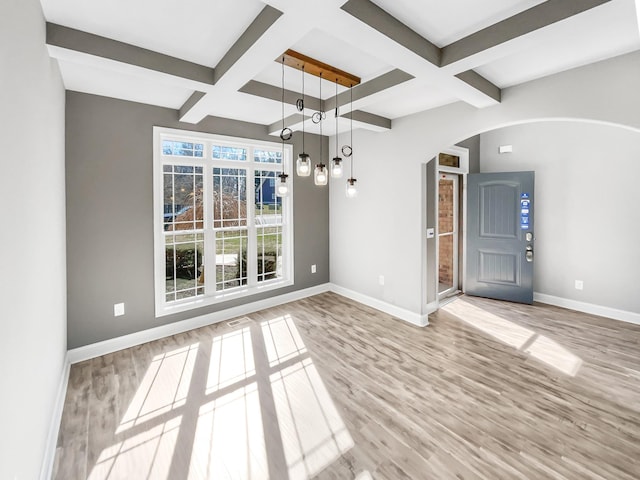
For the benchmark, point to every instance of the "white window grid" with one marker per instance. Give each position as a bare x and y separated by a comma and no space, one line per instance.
254,225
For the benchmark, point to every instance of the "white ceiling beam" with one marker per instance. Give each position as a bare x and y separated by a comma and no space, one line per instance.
381,21
191,101
367,118
260,25
229,68
477,81
510,35
292,121
75,45
363,95
269,36
271,92
282,23
361,120
402,47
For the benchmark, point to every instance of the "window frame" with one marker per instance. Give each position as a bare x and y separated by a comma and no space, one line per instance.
208,163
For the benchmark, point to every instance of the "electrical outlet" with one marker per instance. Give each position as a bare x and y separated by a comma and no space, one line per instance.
313,268
118,309
381,279
579,284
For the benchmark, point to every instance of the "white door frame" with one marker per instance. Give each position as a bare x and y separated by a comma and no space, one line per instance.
429,197
455,233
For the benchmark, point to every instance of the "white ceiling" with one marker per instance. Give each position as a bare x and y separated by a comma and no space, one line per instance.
125,85
326,48
443,23
572,43
202,31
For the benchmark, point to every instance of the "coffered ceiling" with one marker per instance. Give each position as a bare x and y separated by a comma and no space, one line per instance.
218,57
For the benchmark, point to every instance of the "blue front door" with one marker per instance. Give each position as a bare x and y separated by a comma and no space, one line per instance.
500,246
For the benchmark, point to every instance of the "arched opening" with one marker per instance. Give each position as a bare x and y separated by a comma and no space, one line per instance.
586,203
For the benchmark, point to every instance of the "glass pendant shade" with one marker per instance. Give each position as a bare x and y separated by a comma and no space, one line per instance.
320,175
282,189
336,167
303,165
352,191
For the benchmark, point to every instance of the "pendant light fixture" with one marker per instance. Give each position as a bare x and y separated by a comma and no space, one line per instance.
320,173
352,191
282,189
336,163
335,166
303,164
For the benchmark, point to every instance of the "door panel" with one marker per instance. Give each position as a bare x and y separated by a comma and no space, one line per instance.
500,214
498,217
496,267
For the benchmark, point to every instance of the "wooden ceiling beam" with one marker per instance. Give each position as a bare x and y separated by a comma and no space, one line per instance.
315,67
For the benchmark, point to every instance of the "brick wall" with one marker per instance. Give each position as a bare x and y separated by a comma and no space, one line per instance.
445,224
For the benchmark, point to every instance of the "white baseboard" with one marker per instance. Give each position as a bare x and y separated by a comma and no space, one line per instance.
87,352
46,471
399,312
431,308
109,346
591,308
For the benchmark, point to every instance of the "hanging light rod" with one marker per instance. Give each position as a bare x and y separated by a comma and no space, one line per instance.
319,69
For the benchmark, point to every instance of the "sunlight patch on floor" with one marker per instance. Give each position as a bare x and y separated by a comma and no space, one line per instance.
231,359
282,340
499,328
229,438
526,340
555,355
164,387
144,455
364,475
215,404
313,433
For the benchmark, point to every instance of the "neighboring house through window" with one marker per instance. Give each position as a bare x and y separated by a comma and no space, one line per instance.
220,230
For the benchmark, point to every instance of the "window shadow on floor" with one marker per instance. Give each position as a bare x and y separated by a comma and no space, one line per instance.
248,403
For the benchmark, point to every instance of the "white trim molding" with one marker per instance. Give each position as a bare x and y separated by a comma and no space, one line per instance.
393,310
46,471
93,350
614,313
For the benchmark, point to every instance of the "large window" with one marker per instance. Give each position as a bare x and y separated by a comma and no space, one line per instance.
220,230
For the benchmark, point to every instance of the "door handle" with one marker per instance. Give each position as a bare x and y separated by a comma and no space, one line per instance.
529,254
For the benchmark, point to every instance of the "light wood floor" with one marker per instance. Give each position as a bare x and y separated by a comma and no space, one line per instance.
327,388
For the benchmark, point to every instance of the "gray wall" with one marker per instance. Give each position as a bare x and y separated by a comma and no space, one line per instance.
32,242
110,216
587,197
473,144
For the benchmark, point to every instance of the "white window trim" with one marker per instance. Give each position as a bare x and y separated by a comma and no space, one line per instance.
211,297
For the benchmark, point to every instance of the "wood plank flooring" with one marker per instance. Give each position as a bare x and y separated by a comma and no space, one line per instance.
327,388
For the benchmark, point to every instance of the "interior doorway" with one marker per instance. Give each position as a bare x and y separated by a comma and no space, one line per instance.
448,234
444,189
